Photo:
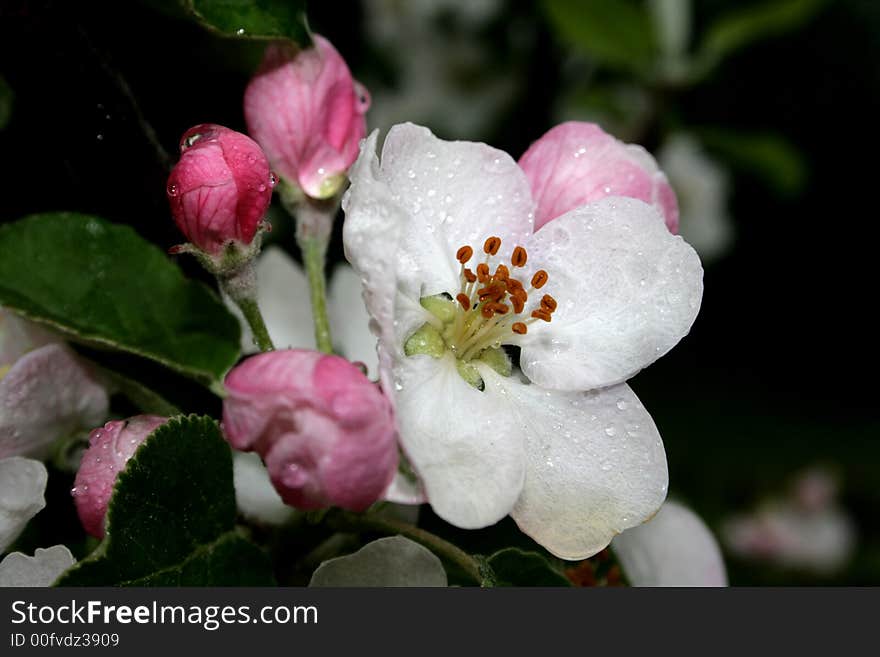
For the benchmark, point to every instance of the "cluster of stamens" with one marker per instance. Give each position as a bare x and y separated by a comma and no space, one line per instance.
493,304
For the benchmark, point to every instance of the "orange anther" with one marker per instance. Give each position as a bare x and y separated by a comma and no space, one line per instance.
519,327
493,291
487,312
502,273
469,276
541,314
519,257
464,300
539,279
464,254
514,285
491,245
482,272
518,304
500,308
548,303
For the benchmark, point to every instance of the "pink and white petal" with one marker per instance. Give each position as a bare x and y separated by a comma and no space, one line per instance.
627,289
595,464
463,443
46,395
454,193
674,548
350,320
22,485
576,163
42,569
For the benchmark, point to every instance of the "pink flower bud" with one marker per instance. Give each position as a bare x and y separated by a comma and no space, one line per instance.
325,432
307,112
576,163
220,189
109,449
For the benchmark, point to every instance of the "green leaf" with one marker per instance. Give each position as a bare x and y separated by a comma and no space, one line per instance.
171,520
766,156
746,25
390,561
6,97
105,286
618,33
515,567
253,19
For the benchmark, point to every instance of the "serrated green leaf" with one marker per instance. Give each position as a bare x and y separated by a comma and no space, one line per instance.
515,567
253,19
616,32
171,519
103,285
767,156
748,24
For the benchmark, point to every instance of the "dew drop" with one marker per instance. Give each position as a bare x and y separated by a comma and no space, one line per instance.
261,188
621,404
410,174
610,430
240,31
606,467
172,190
273,179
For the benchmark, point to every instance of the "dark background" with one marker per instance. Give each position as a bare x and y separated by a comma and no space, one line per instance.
779,370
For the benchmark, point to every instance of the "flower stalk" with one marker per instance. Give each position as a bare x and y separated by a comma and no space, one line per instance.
241,286
314,222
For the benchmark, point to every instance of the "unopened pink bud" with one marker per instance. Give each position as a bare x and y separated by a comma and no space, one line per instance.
110,448
325,432
576,163
220,189
307,112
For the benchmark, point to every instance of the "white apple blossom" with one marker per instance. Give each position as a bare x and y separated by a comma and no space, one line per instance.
674,548
564,447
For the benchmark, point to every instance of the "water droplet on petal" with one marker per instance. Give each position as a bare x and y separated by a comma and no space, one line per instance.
610,430
273,179
172,190
621,404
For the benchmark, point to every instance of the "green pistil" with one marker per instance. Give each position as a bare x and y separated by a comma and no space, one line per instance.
430,341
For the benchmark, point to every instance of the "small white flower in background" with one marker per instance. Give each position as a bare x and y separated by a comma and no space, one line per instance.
46,392
564,447
444,76
22,489
806,529
674,548
701,185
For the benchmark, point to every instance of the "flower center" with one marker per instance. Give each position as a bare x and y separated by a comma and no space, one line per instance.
488,311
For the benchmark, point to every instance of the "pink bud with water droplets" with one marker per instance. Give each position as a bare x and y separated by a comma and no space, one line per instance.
110,448
220,189
576,163
325,432
306,111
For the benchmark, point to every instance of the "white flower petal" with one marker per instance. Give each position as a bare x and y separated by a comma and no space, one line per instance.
371,235
391,561
283,298
19,336
674,548
463,443
454,193
402,490
42,569
47,394
627,290
595,464
349,319
22,485
255,495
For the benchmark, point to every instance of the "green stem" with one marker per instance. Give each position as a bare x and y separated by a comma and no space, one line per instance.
314,223
241,286
254,317
358,522
314,255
